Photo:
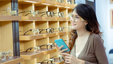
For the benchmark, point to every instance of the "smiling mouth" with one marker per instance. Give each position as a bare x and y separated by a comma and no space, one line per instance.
73,24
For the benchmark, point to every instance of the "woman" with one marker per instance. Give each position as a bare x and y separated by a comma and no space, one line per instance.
85,40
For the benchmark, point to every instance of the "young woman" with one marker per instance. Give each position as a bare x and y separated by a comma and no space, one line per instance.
85,40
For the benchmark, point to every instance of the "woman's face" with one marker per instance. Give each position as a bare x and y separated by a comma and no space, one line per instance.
77,22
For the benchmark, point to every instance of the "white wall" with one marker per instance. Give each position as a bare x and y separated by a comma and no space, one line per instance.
103,8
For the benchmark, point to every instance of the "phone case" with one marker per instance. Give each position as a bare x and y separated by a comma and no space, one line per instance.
60,42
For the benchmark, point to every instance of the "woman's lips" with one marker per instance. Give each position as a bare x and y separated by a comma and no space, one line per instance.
73,24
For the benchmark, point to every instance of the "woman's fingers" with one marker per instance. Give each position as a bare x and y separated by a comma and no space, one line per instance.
63,50
61,47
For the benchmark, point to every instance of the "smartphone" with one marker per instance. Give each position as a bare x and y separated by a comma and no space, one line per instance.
60,42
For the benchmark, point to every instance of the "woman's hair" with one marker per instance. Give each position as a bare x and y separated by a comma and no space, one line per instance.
88,14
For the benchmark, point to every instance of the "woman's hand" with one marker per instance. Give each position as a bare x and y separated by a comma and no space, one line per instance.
70,59
59,49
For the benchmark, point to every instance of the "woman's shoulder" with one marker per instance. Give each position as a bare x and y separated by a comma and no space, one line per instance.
94,36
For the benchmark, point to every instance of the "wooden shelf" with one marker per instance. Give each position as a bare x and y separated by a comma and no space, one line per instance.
13,60
47,2
61,19
62,62
30,37
50,35
10,18
49,19
31,18
5,0
30,55
68,18
58,4
70,6
58,62
49,51
61,33
30,1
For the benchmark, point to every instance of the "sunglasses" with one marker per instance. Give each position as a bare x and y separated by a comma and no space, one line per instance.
4,55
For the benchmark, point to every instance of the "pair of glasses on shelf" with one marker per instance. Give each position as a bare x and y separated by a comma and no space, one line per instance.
61,1
58,58
28,12
39,31
8,11
39,48
47,61
69,1
4,55
47,30
51,14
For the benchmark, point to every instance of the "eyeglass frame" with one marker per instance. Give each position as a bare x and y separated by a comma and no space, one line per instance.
5,54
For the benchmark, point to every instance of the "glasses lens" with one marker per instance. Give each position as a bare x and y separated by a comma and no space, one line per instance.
3,56
10,53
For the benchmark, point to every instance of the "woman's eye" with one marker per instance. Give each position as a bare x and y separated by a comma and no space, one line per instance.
77,17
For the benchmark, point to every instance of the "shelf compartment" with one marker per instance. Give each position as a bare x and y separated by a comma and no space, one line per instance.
30,55
30,1
31,18
25,7
49,51
6,36
13,60
47,2
69,6
24,26
49,19
10,18
50,35
30,37
59,4
5,8
61,33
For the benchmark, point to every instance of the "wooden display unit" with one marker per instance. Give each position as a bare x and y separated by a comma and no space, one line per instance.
29,18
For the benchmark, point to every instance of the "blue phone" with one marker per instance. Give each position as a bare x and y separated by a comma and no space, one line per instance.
60,42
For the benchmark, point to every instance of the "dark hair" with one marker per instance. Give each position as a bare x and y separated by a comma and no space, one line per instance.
88,14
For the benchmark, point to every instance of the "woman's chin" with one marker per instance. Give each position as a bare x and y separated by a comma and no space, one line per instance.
73,28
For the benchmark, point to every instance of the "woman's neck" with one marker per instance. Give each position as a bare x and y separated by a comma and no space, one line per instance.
82,33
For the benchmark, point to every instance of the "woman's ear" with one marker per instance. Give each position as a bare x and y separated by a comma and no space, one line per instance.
85,22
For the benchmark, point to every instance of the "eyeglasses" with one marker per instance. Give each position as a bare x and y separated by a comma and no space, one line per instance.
60,1
47,30
3,55
28,12
69,1
75,18
47,61
39,48
9,12
58,58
